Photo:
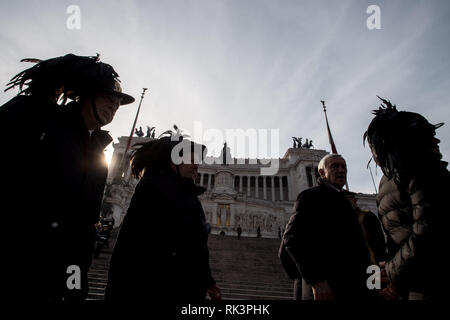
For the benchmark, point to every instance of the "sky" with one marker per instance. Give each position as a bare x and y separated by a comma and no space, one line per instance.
251,64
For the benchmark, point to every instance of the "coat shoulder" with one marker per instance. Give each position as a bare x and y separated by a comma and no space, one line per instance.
309,193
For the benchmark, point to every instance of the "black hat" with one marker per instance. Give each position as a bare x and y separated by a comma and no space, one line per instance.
389,122
69,76
401,142
97,78
117,91
156,153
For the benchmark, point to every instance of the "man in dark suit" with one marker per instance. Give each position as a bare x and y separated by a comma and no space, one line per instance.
325,241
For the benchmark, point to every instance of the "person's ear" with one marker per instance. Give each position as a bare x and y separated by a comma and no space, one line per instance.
322,173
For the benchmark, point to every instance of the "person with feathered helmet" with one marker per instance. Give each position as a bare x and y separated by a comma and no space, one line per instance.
161,253
55,172
412,203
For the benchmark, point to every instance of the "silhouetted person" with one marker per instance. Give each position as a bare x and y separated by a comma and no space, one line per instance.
324,240
103,234
412,203
239,231
55,172
171,261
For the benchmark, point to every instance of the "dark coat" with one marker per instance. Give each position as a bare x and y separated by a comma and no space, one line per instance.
53,190
415,217
324,239
161,251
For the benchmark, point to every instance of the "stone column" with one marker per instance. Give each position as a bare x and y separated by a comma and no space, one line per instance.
264,187
248,186
209,181
201,179
272,180
256,187
281,187
240,183
128,174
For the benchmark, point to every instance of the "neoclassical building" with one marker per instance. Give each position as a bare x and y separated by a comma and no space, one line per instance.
237,194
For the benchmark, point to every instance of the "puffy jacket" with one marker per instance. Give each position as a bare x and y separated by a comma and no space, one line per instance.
415,217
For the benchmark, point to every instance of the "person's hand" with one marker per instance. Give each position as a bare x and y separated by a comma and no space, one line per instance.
322,291
389,293
214,293
384,277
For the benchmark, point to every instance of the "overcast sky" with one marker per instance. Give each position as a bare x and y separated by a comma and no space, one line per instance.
252,64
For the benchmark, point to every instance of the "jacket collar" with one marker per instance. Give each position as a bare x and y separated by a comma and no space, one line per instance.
188,184
101,138
323,183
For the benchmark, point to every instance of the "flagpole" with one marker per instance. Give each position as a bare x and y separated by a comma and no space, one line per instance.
370,169
373,181
330,137
132,132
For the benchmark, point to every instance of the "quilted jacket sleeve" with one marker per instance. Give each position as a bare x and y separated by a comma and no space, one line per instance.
413,250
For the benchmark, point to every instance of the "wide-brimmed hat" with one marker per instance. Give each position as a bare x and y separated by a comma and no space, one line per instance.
95,78
69,76
116,90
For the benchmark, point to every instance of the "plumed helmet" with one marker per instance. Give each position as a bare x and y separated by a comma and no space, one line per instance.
69,76
156,155
400,140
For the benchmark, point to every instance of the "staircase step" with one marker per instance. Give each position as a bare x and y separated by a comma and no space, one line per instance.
227,286
256,283
239,296
259,291
246,269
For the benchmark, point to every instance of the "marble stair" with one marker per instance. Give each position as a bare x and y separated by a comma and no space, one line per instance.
244,269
